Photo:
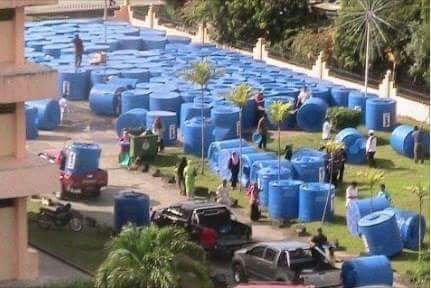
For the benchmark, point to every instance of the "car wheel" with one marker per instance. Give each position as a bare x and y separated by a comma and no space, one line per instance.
238,273
76,224
43,221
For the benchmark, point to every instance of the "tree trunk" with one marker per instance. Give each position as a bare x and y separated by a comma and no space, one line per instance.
202,131
420,231
279,151
367,57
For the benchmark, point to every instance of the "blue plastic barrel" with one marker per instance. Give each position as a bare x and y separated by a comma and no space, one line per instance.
381,114
54,50
408,223
247,163
127,83
248,115
340,96
134,118
258,165
178,39
169,125
313,197
153,42
142,75
357,272
192,135
166,101
222,167
354,145
357,209
290,121
311,115
100,76
321,92
105,99
74,84
226,122
31,122
265,176
216,146
137,98
402,140
307,168
357,101
283,199
380,233
131,207
48,113
82,158
190,110
130,43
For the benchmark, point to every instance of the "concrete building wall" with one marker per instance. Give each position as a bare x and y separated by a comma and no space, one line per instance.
6,47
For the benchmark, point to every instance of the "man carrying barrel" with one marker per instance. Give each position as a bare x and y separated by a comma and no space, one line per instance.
79,50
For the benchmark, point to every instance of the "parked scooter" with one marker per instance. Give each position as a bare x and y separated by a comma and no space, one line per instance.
60,215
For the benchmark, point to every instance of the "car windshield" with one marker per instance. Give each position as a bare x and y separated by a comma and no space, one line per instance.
213,217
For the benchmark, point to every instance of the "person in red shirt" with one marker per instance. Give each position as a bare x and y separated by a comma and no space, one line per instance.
253,194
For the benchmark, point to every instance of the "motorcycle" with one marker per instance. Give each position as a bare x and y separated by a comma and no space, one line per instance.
60,215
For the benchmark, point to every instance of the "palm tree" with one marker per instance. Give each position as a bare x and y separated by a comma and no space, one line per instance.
332,147
239,96
420,192
152,257
200,73
278,112
366,21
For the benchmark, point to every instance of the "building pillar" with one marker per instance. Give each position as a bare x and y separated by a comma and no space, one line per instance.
387,86
19,58
149,19
20,150
259,51
319,68
201,35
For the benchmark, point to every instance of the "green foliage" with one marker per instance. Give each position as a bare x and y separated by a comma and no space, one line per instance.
247,20
152,257
201,72
342,117
418,50
240,95
278,111
421,276
371,177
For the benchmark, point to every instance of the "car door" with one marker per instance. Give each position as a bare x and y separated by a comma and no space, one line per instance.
267,265
252,260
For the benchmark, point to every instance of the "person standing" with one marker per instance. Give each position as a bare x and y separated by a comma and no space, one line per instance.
222,193
263,132
418,149
352,192
259,105
371,148
326,130
158,130
303,96
63,107
79,50
234,165
190,179
342,158
384,193
253,194
180,175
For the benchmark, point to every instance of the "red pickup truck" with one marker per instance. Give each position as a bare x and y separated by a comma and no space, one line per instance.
89,184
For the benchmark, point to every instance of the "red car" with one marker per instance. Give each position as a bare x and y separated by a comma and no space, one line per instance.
271,285
89,184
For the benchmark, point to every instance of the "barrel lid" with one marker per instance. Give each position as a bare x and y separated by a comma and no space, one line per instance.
317,186
160,113
286,182
376,218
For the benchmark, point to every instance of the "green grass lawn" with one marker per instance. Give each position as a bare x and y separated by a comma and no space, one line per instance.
86,249
400,172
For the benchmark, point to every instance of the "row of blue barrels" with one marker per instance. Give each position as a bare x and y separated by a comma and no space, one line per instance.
131,207
354,145
32,131
82,158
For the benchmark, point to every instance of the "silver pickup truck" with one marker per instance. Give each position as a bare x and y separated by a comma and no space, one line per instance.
285,261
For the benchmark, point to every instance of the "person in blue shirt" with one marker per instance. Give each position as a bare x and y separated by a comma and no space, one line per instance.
384,193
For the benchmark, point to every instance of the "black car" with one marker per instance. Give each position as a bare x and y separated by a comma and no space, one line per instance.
211,224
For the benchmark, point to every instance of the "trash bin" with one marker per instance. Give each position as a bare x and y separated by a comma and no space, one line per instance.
144,146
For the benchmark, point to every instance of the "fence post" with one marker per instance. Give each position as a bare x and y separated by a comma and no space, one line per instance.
319,68
387,87
259,51
201,36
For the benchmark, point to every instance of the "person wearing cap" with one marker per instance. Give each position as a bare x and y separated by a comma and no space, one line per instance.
371,148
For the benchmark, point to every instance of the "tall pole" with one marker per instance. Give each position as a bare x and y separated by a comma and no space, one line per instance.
367,56
240,147
202,130
105,16
279,149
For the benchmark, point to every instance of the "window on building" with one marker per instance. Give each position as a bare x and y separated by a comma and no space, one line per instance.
7,108
7,14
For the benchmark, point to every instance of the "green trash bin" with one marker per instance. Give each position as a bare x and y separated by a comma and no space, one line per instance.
144,146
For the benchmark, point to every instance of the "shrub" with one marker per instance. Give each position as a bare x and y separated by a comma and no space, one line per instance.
420,278
342,117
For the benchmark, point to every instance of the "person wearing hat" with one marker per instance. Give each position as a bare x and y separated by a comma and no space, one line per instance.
371,148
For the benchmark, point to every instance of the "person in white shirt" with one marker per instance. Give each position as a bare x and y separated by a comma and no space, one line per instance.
63,107
326,130
352,192
371,148
302,97
223,194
